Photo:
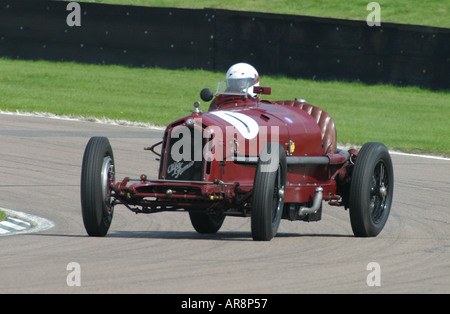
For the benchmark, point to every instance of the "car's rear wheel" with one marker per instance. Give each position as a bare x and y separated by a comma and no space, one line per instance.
268,192
371,190
206,223
97,174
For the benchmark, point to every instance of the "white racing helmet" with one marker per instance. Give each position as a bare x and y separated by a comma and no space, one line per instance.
241,77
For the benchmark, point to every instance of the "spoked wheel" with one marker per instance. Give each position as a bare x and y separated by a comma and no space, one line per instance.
371,190
268,192
96,176
206,223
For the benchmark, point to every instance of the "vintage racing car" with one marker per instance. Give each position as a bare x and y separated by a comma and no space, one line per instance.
248,157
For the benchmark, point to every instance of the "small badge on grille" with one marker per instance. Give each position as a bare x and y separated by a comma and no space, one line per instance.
176,169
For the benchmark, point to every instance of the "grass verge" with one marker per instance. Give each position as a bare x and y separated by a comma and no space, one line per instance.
406,119
2,215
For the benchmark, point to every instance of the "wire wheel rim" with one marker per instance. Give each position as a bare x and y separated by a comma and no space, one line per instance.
379,192
278,195
107,174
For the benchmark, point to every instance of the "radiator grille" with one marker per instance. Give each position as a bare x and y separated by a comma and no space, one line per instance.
190,167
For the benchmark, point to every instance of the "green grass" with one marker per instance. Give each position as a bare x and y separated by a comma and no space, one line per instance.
430,12
2,215
408,119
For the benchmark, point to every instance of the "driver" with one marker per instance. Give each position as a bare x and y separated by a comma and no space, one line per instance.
240,77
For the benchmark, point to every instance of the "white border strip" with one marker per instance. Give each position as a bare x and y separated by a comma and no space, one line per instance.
347,146
83,119
420,156
10,224
37,223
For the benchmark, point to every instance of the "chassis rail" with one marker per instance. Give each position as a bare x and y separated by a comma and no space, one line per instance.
156,195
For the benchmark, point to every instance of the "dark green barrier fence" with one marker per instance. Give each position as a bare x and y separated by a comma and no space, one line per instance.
296,46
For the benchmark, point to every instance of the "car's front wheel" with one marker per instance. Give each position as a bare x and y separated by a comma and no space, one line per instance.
371,190
97,174
268,192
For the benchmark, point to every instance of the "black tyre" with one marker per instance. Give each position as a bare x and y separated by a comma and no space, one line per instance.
268,192
371,190
96,175
206,223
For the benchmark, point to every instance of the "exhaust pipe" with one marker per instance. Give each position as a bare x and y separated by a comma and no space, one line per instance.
316,203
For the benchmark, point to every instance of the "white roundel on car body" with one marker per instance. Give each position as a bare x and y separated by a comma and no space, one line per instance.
244,124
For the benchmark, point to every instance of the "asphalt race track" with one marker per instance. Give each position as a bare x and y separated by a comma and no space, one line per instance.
40,165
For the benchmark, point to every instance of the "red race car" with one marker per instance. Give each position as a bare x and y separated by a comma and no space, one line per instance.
248,157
